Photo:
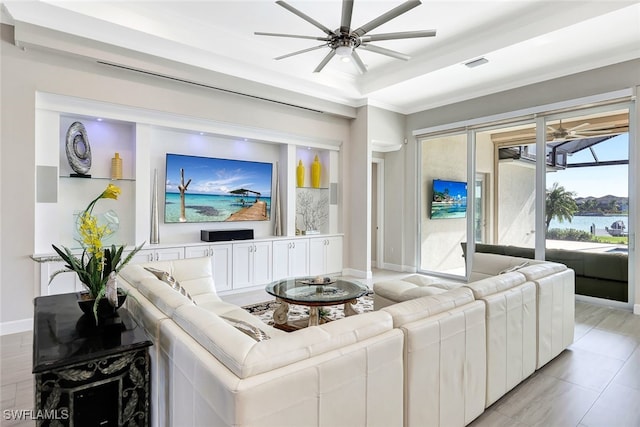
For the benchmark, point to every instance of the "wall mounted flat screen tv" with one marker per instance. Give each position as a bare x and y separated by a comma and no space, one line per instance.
207,189
449,199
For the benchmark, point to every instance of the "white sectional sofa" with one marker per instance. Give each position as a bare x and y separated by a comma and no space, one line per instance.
207,372
529,319
433,360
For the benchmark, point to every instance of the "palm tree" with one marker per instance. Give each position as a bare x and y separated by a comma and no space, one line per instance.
559,204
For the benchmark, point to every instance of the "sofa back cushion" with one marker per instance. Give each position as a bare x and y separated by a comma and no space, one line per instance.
609,266
193,274
488,265
495,284
419,308
246,357
163,296
537,271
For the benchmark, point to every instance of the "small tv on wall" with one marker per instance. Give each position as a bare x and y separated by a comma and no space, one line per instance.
208,189
449,199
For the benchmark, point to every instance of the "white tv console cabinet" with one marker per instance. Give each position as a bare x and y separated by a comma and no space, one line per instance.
238,265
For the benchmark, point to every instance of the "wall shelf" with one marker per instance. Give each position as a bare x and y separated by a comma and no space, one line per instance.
100,178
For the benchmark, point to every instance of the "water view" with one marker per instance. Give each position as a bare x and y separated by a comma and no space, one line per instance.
208,207
584,223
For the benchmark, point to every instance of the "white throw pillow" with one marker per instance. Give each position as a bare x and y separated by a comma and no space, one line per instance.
165,277
514,268
247,328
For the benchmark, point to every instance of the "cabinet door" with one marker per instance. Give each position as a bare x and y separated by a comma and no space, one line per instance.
196,251
299,258
281,259
262,261
160,254
62,284
242,264
221,263
169,254
333,260
317,252
143,256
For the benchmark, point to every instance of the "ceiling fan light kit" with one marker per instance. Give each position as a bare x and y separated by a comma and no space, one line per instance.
344,41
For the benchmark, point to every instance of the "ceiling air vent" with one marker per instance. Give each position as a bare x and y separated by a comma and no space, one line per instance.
476,62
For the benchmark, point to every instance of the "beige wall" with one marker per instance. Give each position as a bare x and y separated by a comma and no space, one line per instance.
23,73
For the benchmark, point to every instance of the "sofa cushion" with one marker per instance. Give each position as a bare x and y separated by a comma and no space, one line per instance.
495,284
488,265
609,266
247,328
232,311
165,277
245,357
133,273
162,296
537,271
193,274
411,287
419,308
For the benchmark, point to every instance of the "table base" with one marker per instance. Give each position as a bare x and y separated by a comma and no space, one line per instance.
281,316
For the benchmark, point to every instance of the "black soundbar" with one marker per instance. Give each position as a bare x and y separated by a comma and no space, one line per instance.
223,235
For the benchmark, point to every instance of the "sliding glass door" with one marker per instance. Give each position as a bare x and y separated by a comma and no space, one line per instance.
587,199
554,186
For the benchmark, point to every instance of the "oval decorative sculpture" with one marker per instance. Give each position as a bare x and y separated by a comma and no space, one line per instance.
78,149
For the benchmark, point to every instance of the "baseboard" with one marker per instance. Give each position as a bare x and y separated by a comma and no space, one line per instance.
16,326
399,268
360,274
636,309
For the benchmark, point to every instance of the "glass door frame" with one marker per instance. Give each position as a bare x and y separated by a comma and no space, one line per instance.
540,119
632,183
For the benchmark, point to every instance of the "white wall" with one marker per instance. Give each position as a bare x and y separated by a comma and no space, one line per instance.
516,204
357,196
442,158
24,73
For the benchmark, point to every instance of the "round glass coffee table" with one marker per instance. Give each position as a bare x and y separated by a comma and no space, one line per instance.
313,292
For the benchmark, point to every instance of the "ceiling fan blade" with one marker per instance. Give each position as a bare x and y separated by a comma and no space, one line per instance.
304,16
580,126
395,36
358,62
596,132
383,51
301,51
393,13
325,61
295,36
347,10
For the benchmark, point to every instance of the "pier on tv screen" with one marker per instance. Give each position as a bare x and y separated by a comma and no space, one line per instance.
208,189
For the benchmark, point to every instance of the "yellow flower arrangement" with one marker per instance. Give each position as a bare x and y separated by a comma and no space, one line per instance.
97,264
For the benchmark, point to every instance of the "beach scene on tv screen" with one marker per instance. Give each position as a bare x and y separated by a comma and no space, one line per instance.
205,189
449,199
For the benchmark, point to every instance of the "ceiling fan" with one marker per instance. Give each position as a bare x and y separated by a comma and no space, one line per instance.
344,41
576,132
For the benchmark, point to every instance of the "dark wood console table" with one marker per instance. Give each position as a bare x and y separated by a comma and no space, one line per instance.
88,375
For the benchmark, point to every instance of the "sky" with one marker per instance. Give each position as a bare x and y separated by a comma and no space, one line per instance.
218,176
601,180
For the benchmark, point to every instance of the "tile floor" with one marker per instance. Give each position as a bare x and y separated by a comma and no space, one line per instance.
594,383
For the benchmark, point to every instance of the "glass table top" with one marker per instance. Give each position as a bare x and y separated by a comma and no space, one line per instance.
310,291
